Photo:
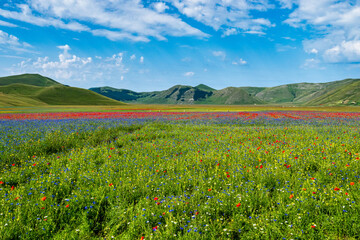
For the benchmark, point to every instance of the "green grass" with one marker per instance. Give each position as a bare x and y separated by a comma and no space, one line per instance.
29,79
28,95
104,180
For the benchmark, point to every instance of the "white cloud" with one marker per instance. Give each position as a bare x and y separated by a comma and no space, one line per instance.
289,38
74,70
66,61
287,3
220,54
133,57
116,36
160,7
25,15
337,26
8,41
229,16
346,51
314,51
7,24
141,59
239,62
311,63
189,74
114,19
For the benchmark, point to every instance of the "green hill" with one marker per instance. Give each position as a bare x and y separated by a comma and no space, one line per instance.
117,94
30,79
231,96
348,94
342,92
178,94
34,90
205,88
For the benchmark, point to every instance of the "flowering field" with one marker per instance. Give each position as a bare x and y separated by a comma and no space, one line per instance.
155,175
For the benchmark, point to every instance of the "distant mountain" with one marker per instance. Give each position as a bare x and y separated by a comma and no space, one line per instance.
178,94
34,90
345,92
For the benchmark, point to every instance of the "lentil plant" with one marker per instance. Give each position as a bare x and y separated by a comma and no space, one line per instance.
264,175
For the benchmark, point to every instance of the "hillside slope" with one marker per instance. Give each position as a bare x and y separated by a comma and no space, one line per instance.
34,90
231,96
29,79
330,93
341,95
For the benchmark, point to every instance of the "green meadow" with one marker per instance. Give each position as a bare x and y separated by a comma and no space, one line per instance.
228,178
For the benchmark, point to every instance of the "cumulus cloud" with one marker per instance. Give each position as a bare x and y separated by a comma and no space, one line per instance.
239,62
141,59
337,25
160,7
64,68
346,51
189,74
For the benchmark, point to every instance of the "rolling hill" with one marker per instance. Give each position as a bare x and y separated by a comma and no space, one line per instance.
178,94
35,90
344,92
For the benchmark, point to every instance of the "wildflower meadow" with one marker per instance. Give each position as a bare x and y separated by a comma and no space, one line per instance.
180,175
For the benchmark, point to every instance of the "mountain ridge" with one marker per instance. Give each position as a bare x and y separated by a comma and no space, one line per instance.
304,93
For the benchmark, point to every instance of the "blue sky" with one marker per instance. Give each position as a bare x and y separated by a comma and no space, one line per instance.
153,45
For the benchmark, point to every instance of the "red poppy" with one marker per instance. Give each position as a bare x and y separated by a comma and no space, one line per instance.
228,176
12,188
352,183
346,194
13,164
1,182
67,206
158,203
313,226
336,189
238,205
155,198
111,184
261,166
291,196
209,189
34,164
142,238
43,198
